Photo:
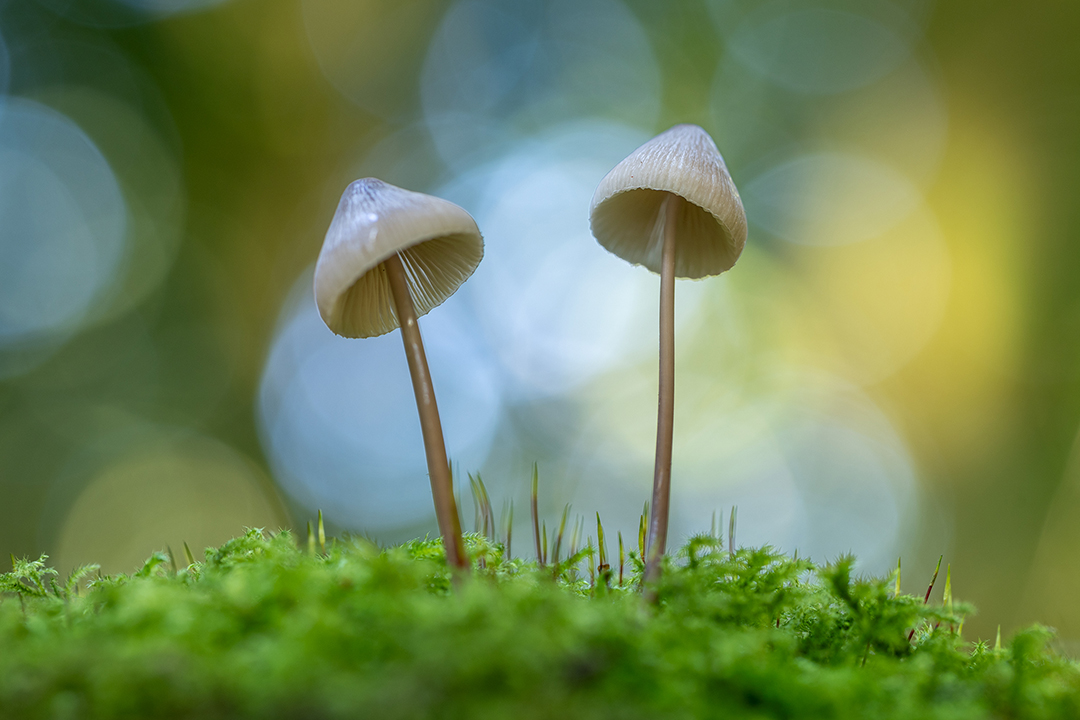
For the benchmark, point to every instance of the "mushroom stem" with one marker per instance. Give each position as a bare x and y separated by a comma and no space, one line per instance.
442,489
665,422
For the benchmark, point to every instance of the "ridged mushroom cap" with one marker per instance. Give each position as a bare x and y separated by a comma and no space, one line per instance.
438,241
711,226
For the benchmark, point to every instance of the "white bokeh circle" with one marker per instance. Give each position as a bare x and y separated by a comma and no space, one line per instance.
338,417
64,220
556,307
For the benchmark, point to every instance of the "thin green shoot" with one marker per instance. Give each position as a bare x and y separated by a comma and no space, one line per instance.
187,555
731,531
562,529
322,534
509,527
544,559
622,558
601,545
642,524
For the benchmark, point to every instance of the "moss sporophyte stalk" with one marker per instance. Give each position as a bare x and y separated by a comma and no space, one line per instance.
262,628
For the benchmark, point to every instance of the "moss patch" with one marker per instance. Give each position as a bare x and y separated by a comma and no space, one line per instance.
265,629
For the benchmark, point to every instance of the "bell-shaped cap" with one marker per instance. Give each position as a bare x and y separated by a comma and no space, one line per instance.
711,224
438,241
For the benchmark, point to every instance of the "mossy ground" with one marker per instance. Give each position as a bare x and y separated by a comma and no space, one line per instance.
264,628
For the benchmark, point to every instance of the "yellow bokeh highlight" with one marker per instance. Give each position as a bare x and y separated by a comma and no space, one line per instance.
864,309
955,395
192,490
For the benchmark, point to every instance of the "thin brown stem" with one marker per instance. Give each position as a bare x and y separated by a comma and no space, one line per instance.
536,514
929,590
442,489
665,423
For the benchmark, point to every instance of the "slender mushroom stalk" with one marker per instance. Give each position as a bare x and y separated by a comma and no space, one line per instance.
665,420
672,207
390,256
442,490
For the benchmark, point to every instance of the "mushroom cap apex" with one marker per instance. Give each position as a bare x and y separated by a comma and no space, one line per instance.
438,241
711,225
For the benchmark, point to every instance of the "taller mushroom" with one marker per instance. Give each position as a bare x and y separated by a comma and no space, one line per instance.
390,256
672,207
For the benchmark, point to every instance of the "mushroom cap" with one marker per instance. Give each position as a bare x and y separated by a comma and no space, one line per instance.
438,241
711,226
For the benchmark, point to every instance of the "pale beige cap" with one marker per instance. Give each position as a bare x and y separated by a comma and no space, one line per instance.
438,241
711,226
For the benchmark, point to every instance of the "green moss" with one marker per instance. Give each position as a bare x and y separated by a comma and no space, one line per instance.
264,629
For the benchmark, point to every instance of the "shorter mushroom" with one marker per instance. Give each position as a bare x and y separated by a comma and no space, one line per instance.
672,207
390,256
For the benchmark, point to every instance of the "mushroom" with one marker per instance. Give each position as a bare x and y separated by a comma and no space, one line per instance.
670,206
390,256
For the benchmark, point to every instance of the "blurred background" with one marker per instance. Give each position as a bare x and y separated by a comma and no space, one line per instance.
892,368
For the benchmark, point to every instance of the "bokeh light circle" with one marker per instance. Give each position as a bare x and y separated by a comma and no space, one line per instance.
368,49
556,307
829,199
338,417
818,50
64,220
116,104
147,169
900,121
810,462
864,310
163,492
822,47
495,67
